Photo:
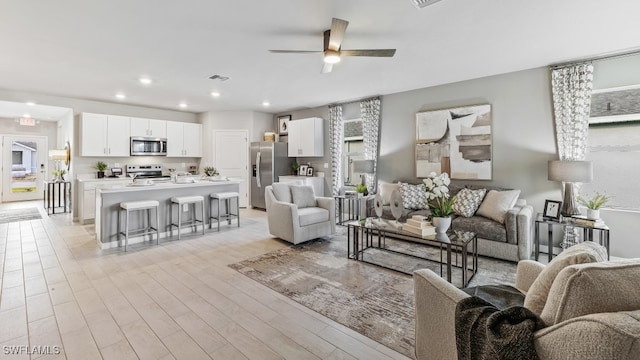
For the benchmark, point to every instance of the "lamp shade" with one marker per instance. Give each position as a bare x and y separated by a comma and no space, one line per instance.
57,154
572,171
363,166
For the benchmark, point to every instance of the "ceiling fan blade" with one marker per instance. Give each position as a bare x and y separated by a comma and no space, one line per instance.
295,52
338,27
371,52
326,68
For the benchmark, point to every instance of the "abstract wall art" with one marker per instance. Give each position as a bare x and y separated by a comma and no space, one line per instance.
456,141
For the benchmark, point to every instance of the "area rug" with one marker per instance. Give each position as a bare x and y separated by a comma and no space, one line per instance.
373,301
15,215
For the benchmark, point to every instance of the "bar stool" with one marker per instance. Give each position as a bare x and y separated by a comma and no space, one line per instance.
227,197
129,206
181,201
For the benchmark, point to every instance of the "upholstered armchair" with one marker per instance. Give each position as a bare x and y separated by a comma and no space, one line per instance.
590,307
296,215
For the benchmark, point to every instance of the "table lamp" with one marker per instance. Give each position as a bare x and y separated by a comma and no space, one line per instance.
570,172
58,156
363,167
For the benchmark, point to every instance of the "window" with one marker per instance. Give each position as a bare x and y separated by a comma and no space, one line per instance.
16,157
614,146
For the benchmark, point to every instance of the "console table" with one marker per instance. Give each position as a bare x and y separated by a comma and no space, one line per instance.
587,233
55,196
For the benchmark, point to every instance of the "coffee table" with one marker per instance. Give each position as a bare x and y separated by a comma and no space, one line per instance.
368,234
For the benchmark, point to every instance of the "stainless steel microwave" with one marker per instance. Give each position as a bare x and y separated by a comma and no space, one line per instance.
148,146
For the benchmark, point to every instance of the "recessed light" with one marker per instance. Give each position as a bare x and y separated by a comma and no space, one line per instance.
121,96
26,115
183,105
265,103
215,94
30,103
145,80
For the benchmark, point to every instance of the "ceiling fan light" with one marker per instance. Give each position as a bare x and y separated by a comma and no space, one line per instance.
331,57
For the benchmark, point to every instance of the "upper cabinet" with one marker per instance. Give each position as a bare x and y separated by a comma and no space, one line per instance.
306,138
184,139
148,127
104,135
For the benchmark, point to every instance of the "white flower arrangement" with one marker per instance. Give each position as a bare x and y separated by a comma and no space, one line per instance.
437,186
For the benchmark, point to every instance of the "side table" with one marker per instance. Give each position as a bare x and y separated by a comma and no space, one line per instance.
349,203
587,233
55,196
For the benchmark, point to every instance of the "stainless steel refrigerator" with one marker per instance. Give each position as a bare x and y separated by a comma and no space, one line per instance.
268,161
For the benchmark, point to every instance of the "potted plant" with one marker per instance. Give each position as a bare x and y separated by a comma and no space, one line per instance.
594,204
295,166
210,171
439,202
101,167
362,190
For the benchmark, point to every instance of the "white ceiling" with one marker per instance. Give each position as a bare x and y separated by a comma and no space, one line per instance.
93,49
14,110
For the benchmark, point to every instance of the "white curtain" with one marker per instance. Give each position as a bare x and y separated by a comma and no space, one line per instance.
571,87
370,114
336,142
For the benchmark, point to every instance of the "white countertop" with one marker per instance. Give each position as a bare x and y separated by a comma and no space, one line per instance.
104,179
165,185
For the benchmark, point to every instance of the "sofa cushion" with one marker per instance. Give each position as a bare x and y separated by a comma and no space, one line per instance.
483,227
413,196
282,192
312,215
585,252
468,201
593,288
496,204
385,189
303,196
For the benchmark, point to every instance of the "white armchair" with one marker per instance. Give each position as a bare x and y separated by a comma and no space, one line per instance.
296,215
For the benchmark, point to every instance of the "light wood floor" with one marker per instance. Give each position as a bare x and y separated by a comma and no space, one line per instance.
178,300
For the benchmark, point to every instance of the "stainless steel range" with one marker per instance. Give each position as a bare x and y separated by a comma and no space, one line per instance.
147,171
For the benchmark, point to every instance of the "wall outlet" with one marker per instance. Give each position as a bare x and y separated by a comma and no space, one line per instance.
326,165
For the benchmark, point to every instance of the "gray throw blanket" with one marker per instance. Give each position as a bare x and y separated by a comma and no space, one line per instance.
486,333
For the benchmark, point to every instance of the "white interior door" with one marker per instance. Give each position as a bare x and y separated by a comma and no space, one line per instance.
24,167
230,158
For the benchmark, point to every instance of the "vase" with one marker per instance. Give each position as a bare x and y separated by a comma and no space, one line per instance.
442,224
100,174
593,214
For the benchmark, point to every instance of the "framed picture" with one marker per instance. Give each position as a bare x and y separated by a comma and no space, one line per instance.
456,141
283,124
552,209
302,170
309,171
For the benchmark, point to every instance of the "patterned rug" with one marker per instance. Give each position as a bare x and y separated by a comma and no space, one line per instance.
373,301
15,215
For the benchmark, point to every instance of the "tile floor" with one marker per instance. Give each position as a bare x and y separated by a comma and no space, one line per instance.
64,298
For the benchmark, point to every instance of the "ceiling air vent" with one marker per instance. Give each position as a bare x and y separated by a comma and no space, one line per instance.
219,77
423,3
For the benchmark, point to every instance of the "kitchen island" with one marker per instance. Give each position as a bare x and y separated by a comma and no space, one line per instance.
108,203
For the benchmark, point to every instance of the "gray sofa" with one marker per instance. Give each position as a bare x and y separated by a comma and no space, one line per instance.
509,241
591,310
296,215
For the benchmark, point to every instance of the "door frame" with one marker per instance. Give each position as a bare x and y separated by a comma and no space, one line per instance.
246,178
6,167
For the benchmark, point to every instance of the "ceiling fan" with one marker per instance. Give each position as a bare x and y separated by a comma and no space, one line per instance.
332,51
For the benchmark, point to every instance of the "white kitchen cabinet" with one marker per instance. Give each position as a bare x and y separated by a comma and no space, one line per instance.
87,196
184,139
104,135
148,127
316,182
306,138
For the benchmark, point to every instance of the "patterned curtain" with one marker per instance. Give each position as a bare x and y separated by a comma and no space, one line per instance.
370,114
336,141
571,87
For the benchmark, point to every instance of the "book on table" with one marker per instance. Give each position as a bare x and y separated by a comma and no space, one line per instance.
582,220
422,231
418,223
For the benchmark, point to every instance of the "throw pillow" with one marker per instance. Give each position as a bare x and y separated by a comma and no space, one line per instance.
496,204
282,192
385,190
413,196
468,201
303,196
585,252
